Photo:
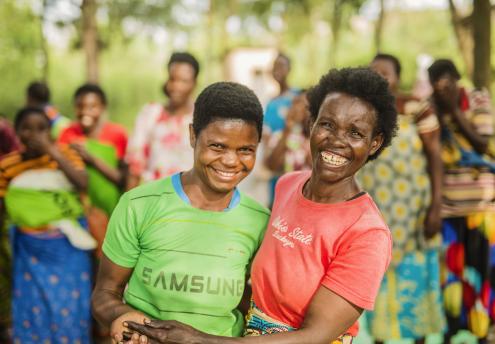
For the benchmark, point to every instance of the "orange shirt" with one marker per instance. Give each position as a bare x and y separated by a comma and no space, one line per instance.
346,247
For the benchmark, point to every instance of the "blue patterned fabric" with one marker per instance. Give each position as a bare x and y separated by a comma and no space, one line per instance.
409,303
51,290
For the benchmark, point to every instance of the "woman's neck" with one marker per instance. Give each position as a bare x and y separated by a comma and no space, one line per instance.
284,87
319,191
94,132
180,109
201,196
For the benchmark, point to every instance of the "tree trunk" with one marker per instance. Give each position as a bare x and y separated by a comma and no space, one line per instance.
335,26
482,48
379,27
90,38
462,30
45,69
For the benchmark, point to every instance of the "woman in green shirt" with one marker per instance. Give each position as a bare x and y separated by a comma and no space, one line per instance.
183,244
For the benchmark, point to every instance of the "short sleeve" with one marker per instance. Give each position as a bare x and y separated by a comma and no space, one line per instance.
121,244
357,269
425,118
480,109
138,148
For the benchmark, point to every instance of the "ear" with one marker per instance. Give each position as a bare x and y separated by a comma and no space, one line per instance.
192,136
164,88
376,143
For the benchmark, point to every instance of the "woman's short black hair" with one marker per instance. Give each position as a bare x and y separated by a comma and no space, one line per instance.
366,85
227,100
39,92
184,57
441,67
388,57
91,88
25,112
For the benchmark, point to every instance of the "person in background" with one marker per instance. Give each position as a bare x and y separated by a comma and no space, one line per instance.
8,143
277,109
159,145
405,181
38,95
102,145
183,244
288,150
39,194
468,208
326,247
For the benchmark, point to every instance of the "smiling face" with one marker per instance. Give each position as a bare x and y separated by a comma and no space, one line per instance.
343,137
224,153
89,108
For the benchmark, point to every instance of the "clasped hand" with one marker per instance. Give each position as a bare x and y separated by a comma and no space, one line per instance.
160,331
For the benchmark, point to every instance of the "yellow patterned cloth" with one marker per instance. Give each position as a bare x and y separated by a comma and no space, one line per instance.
408,304
259,324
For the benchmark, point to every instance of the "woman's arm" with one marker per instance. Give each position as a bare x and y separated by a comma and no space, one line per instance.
328,316
78,177
107,299
115,175
479,142
431,147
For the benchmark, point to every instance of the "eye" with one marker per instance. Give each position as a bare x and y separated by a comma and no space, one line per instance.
246,150
327,125
356,134
216,146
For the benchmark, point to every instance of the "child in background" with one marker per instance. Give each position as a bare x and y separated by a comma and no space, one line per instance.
38,95
39,187
102,146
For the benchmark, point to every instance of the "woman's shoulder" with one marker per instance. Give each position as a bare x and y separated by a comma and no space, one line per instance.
10,159
252,206
371,218
115,129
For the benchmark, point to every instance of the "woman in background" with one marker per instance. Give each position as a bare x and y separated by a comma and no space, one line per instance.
405,182
39,188
102,145
468,208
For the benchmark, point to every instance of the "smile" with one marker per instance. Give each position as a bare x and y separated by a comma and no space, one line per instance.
224,174
333,159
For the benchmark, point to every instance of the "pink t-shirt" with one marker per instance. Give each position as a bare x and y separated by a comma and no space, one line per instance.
345,247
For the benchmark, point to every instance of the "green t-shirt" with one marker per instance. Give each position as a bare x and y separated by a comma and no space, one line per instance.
189,264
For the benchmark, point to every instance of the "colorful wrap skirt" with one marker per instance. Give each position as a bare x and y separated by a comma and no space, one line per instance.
468,276
259,324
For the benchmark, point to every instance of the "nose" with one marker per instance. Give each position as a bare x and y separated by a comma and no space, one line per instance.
337,138
230,159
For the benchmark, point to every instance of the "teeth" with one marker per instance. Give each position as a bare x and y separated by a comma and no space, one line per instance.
225,174
332,159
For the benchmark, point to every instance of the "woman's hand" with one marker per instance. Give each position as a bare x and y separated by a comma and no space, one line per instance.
117,328
81,150
168,331
433,221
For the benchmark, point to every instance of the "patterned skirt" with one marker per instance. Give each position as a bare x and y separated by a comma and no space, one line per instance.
259,324
51,290
468,276
409,302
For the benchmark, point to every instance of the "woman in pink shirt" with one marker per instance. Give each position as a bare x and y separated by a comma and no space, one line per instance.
326,247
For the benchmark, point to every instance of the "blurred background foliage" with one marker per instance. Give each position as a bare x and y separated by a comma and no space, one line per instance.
124,44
